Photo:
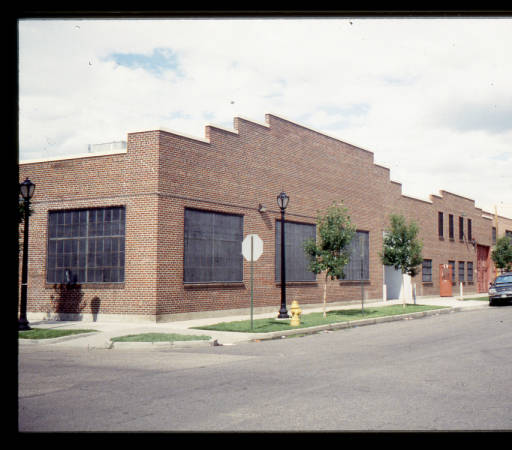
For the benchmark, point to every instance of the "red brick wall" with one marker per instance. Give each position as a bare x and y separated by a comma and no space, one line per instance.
162,173
128,180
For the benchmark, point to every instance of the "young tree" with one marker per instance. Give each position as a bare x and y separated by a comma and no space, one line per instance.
330,252
401,247
502,253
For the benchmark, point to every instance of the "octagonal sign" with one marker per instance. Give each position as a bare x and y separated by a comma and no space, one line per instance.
257,247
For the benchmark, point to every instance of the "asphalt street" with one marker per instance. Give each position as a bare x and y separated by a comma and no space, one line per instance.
437,373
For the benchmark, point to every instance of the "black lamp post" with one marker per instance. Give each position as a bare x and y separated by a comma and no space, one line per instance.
26,191
282,202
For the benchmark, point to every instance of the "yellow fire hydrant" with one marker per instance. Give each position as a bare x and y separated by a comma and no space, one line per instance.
296,312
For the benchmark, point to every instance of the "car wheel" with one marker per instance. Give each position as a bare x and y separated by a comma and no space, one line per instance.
492,302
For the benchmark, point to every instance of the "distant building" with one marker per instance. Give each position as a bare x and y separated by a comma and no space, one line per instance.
153,231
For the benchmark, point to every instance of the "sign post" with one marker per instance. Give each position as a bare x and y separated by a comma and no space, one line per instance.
252,249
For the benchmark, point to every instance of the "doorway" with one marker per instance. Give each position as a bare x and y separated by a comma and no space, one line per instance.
482,268
445,280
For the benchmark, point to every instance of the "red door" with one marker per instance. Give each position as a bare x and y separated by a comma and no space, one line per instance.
482,267
445,280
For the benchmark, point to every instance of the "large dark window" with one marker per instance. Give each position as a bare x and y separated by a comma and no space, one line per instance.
296,260
440,225
450,226
358,267
461,228
470,230
86,246
213,247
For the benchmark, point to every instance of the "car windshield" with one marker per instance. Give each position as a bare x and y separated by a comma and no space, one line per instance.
504,279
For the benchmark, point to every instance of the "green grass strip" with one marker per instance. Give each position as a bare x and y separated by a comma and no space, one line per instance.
49,333
483,299
315,319
159,337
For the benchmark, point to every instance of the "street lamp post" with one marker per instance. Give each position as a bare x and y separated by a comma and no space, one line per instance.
282,202
26,191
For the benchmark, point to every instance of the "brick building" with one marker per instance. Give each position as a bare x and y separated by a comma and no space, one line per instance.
154,231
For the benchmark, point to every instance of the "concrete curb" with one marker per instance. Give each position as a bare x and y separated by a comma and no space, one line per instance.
164,344
108,343
105,342
363,322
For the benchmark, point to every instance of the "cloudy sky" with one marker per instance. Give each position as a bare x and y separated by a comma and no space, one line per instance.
430,97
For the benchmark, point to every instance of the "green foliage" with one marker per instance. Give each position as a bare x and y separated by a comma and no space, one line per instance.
502,253
401,247
330,252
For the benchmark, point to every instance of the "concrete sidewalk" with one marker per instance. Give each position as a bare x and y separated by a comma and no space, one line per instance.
105,331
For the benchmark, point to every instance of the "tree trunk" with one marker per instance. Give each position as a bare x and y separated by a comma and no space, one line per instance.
325,293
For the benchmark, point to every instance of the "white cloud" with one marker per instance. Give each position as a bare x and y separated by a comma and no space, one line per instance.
430,97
